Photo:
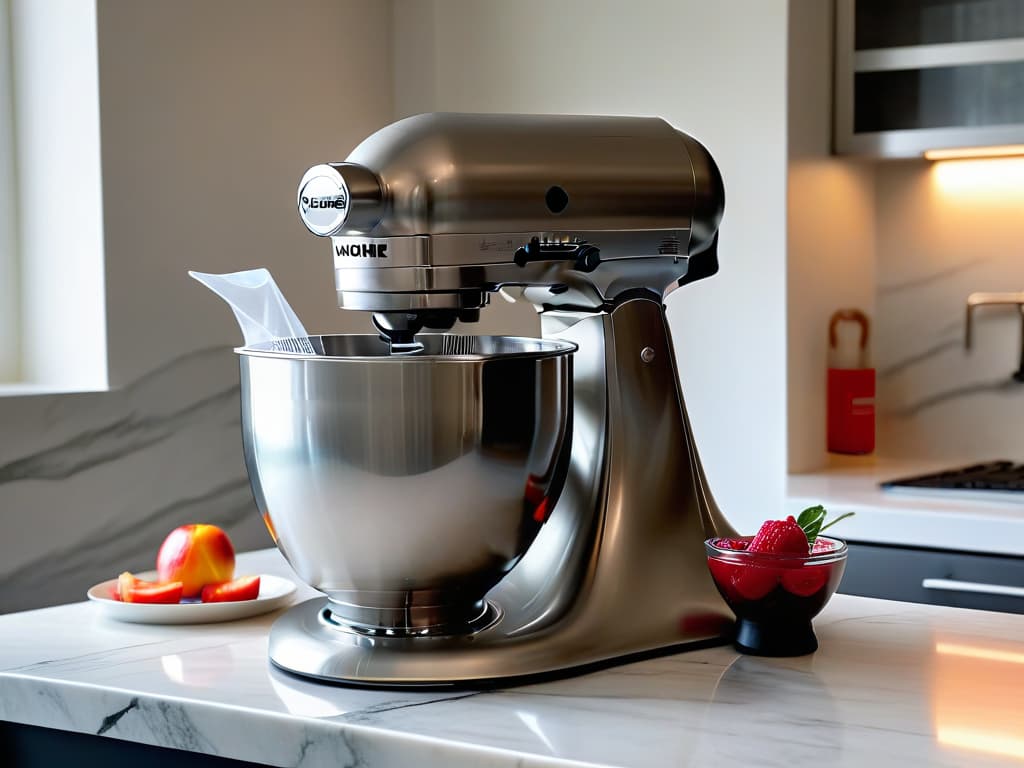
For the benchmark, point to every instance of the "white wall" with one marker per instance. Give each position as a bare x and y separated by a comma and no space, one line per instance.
210,114
830,230
717,71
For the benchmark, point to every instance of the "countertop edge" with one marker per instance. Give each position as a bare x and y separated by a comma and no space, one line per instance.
211,728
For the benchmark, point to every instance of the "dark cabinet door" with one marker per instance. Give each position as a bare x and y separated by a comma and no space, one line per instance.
938,577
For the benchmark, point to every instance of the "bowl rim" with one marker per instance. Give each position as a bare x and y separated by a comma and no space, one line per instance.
837,553
547,348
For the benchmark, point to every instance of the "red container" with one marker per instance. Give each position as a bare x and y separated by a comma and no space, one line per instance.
851,394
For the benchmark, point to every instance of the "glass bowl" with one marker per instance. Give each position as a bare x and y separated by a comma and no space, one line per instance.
775,596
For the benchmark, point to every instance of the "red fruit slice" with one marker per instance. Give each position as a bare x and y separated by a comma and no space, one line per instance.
805,581
245,588
133,590
780,537
755,582
741,581
725,575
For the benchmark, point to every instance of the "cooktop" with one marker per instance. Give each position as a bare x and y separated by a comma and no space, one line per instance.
993,480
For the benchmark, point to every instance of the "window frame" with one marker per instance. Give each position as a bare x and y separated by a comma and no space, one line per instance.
51,282
10,305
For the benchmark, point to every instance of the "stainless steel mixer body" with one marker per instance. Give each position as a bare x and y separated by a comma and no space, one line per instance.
597,219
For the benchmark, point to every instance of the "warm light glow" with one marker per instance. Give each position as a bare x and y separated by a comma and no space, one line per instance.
964,153
989,181
982,741
976,652
974,694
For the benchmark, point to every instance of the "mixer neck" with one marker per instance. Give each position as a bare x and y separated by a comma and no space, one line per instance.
412,283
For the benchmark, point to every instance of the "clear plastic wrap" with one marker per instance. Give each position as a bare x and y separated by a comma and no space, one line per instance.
260,308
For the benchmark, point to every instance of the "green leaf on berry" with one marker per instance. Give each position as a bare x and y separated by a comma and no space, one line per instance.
812,519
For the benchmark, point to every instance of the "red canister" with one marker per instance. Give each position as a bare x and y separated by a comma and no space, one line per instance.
851,389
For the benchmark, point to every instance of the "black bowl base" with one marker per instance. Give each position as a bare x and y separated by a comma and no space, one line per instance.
761,639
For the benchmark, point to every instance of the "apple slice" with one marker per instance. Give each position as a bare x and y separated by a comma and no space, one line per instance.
245,588
133,590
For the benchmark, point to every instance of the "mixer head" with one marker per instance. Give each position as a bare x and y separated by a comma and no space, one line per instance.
433,213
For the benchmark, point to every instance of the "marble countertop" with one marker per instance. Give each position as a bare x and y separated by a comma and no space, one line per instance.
923,519
892,684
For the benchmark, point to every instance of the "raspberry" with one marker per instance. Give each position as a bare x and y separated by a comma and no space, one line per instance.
734,544
780,537
822,545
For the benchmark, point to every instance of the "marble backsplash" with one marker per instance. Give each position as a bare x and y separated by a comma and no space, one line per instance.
91,483
943,232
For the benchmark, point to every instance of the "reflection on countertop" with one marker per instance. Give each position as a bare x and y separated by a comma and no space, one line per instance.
976,695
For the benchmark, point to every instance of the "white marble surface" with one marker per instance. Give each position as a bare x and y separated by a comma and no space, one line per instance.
892,684
948,521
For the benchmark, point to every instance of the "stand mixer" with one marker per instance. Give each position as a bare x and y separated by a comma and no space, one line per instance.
491,509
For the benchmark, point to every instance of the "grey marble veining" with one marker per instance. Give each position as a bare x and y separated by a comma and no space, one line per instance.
931,276
944,231
936,399
893,684
91,483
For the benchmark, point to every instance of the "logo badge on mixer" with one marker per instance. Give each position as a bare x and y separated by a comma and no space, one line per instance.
337,202
323,204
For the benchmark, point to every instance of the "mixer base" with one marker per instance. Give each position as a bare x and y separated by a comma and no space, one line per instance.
305,642
617,570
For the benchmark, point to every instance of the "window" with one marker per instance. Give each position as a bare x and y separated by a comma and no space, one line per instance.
51,256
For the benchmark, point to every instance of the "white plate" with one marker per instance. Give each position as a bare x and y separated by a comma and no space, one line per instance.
275,592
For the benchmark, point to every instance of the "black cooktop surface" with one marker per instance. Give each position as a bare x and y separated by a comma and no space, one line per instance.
990,476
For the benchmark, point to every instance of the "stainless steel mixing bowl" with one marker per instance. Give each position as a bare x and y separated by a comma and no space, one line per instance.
406,486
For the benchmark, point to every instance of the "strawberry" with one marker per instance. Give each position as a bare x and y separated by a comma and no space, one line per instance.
754,582
780,537
742,581
805,581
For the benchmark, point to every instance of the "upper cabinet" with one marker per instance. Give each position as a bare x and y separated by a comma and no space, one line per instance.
914,76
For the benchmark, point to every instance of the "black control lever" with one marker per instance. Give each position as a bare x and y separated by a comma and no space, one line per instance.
585,255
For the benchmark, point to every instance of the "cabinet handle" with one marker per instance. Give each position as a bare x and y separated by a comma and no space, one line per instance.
952,585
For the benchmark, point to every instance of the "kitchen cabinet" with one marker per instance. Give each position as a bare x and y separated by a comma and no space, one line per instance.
935,577
919,75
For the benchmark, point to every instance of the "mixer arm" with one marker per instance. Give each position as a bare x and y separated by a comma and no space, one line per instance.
429,282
